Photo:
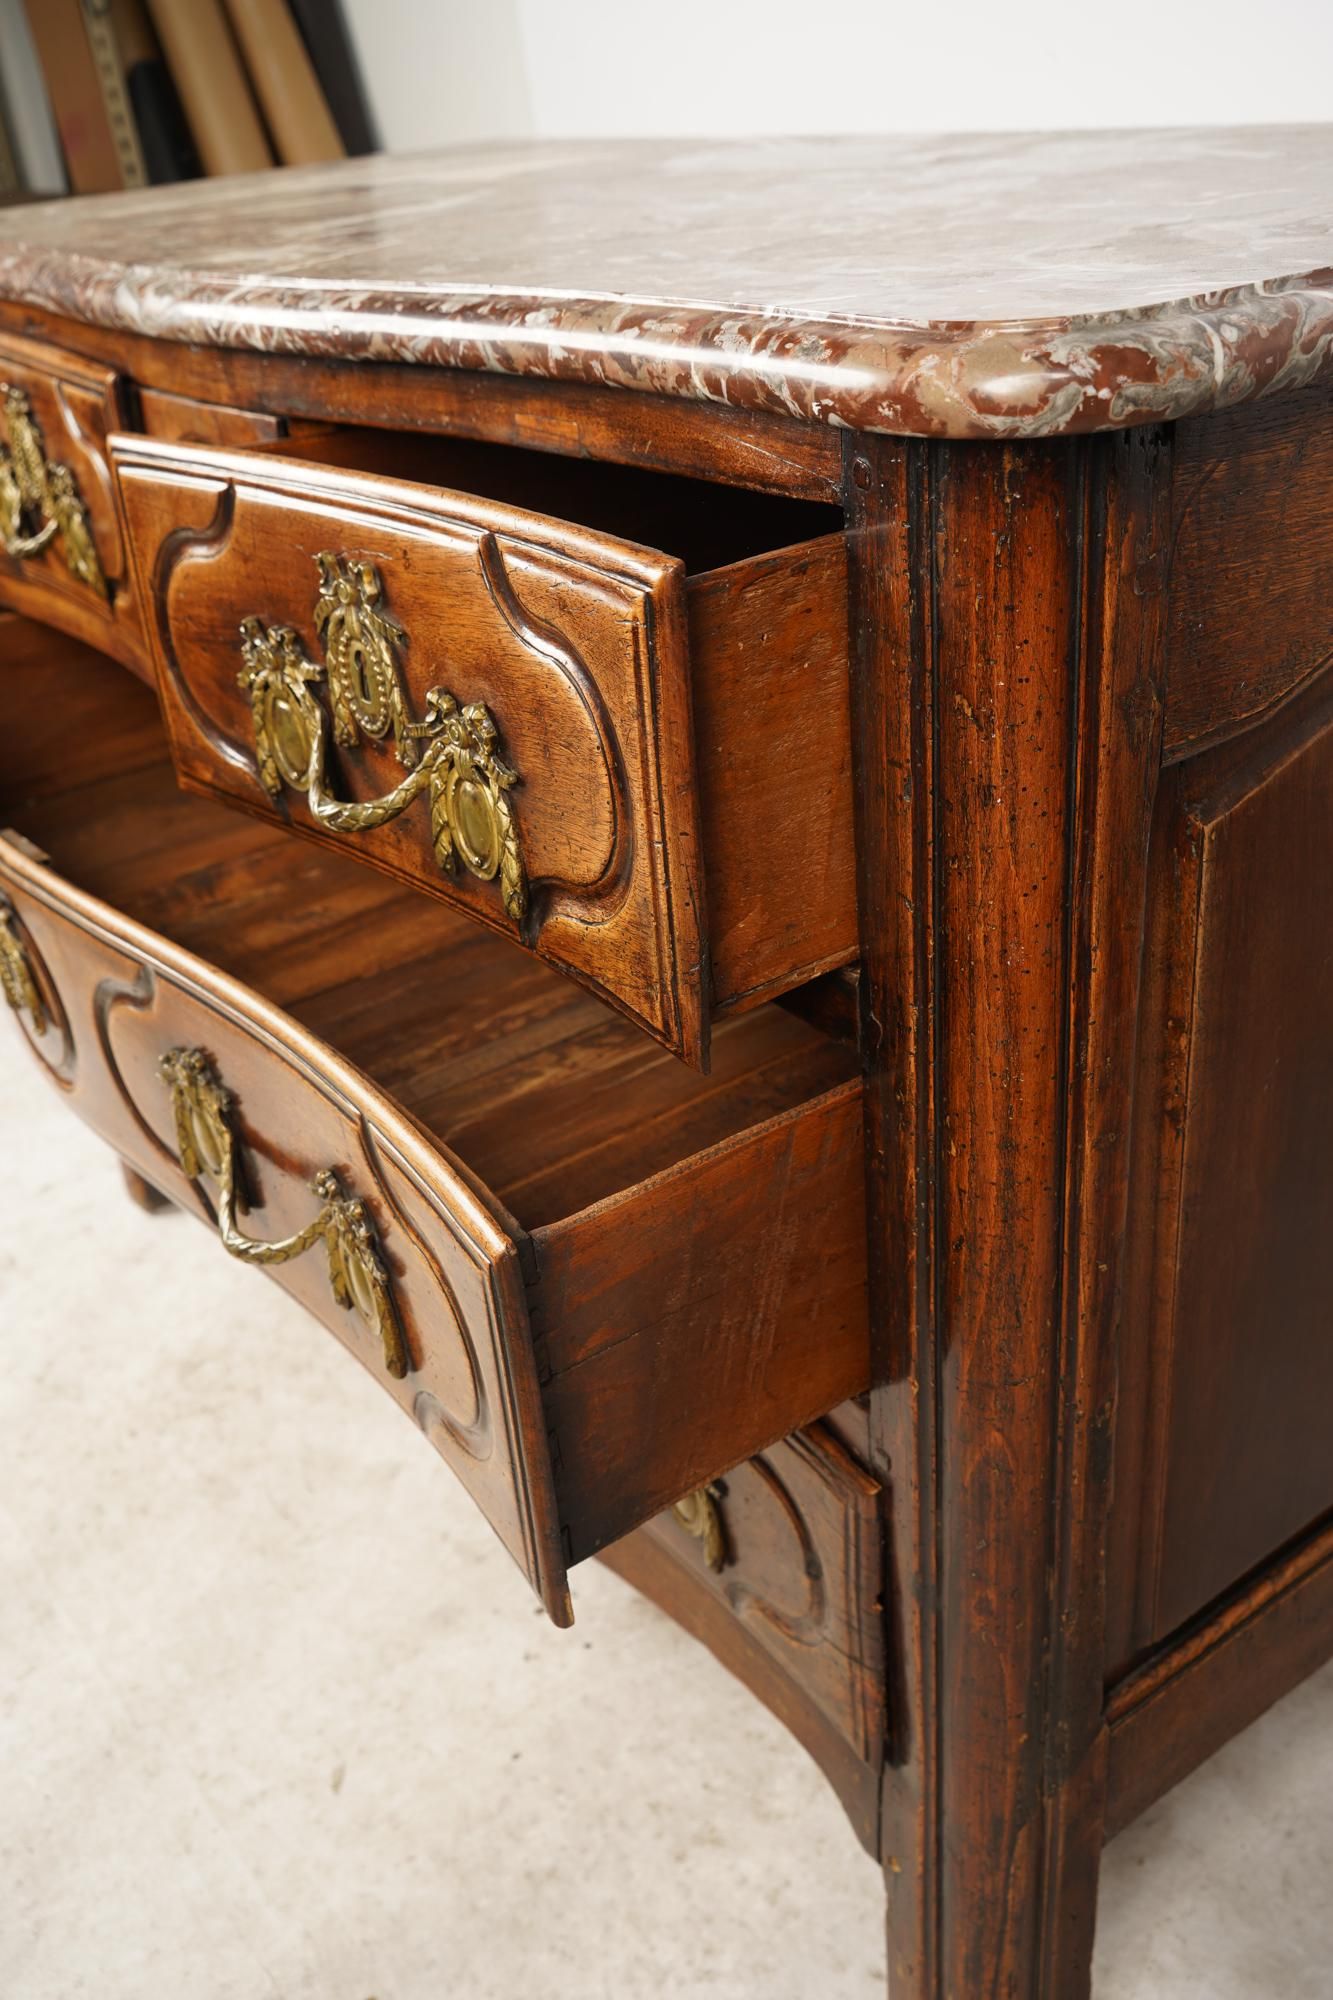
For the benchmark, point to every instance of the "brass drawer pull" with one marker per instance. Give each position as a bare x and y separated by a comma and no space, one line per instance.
207,1146
39,501
17,978
452,754
701,1516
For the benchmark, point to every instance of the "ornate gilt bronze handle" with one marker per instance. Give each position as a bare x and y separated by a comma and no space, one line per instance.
203,1108
452,754
699,1514
17,979
39,502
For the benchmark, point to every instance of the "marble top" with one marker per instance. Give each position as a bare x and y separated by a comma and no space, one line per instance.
1014,286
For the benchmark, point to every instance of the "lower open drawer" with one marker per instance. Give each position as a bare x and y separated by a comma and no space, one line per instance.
594,1279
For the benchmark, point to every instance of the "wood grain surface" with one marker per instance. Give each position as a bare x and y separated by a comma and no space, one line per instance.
1229,1377
1004,795
659,1323
1029,1202
76,405
580,647
1251,565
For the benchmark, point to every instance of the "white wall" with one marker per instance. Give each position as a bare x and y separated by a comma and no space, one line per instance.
451,70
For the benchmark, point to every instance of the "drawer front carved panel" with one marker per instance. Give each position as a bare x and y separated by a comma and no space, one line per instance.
465,1373
40,505
778,1568
790,1543
61,552
508,727
208,1150
299,710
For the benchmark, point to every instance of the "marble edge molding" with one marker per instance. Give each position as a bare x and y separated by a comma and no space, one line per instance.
1029,378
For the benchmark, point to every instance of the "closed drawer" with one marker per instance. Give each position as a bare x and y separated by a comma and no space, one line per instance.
778,1569
594,1280
640,772
61,550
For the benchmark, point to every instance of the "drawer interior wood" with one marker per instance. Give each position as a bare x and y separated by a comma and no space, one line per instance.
552,1100
707,526
635,1188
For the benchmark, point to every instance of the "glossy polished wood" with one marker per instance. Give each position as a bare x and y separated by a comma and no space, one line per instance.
736,448
1233,1265
1017,585
76,404
1034,728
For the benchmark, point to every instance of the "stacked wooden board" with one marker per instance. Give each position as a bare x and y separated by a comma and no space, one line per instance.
104,94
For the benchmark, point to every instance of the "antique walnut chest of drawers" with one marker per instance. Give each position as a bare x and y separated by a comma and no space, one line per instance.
721,860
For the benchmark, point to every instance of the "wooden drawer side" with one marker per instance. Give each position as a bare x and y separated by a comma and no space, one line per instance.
594,1280
730,1293
772,712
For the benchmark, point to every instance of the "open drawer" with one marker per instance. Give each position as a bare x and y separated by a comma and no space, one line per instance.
595,1279
629,750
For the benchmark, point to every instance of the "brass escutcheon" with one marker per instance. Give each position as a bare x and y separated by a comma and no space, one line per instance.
452,754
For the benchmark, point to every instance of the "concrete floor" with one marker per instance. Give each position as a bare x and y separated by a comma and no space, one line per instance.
279,1718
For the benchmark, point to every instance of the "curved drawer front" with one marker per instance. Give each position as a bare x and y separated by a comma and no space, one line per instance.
790,1543
487,703
577,1378
61,552
102,1001
778,1567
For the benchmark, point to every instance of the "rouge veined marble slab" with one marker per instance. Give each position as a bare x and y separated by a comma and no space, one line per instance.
984,286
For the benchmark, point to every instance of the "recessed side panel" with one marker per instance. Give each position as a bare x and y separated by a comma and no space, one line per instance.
1231,1293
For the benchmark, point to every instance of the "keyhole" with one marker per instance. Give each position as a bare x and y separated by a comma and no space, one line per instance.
361,674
